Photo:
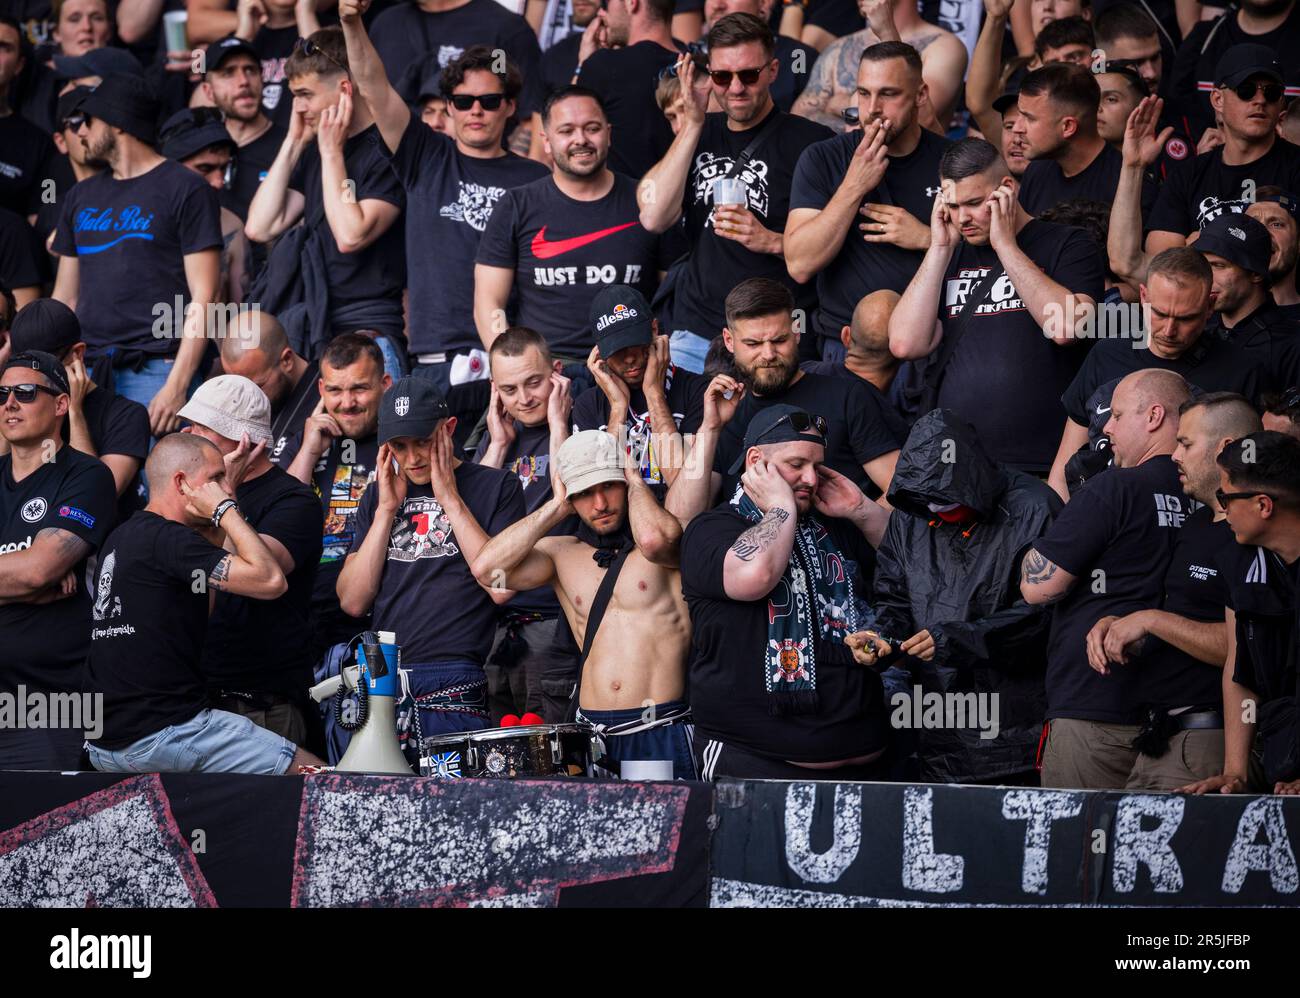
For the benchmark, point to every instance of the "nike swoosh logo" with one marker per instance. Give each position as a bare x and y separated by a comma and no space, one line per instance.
1101,411
544,250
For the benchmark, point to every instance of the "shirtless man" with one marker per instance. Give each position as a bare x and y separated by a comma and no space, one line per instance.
832,87
633,675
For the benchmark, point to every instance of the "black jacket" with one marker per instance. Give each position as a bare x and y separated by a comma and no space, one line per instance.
962,583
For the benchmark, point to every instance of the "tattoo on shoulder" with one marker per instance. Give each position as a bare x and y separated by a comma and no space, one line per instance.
70,545
220,575
761,535
1037,569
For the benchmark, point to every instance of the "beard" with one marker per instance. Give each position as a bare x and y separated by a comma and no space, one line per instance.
767,380
99,155
564,162
1284,267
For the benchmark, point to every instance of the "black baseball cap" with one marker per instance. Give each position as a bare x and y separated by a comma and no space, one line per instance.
192,130
1008,100
780,424
223,48
125,102
1285,198
1239,239
101,62
413,407
68,105
45,326
1241,62
621,317
42,363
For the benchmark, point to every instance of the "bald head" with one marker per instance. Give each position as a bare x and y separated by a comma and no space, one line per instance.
1144,416
1154,386
254,330
185,453
869,328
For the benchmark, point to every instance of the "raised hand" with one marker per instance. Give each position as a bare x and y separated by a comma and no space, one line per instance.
721,399
766,488
332,131
1141,144
870,159
239,460
836,495
615,389
501,428
391,482
203,500
1002,224
944,233
559,405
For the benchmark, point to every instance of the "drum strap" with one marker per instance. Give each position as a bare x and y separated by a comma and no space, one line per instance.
598,606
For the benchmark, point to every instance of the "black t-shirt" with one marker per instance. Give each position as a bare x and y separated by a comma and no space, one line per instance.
45,645
408,39
147,627
1211,365
1116,537
427,595
895,404
529,460
564,251
131,238
790,81
1196,587
1268,335
20,253
1195,189
626,79
252,161
857,427
558,63
717,263
274,46
450,197
1191,77
118,425
379,270
684,392
910,182
25,151
729,700
339,485
290,414
264,646
1004,374
1045,185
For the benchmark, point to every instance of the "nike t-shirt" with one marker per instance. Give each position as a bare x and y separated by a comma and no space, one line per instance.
563,251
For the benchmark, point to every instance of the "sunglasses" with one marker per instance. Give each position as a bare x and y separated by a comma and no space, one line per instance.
309,48
801,422
748,77
1247,91
26,394
463,102
1226,497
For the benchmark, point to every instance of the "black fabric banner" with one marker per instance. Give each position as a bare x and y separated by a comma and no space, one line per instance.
897,845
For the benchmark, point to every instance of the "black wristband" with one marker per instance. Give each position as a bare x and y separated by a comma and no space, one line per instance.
223,507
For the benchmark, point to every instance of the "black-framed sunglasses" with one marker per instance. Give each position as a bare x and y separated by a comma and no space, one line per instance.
1272,91
309,48
75,121
1291,398
26,394
801,422
490,102
748,77
1224,498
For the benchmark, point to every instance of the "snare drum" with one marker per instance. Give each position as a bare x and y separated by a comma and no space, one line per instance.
521,752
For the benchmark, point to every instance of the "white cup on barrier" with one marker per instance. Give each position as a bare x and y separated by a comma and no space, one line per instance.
648,769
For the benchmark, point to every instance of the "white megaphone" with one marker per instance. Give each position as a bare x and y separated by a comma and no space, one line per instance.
374,747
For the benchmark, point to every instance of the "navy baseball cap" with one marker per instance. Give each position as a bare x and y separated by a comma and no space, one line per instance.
1285,198
1239,239
413,407
125,102
223,48
101,62
1008,100
780,424
1241,62
620,317
43,363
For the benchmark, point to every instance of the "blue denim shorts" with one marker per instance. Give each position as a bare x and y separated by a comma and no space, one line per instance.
688,350
212,741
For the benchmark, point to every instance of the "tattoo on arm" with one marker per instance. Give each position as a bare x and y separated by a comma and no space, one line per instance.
817,90
220,575
70,546
1036,570
760,536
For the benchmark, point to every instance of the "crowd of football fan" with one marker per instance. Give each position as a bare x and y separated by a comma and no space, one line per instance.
776,386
